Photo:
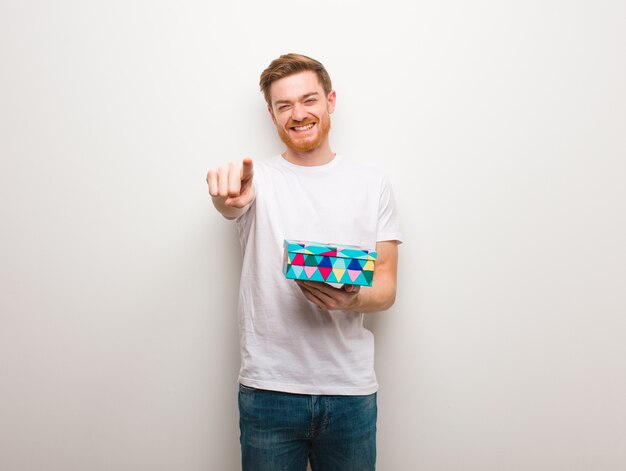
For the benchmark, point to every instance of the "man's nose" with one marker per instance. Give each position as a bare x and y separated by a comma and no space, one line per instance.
298,113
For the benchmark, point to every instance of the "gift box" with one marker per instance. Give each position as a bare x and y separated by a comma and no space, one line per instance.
330,263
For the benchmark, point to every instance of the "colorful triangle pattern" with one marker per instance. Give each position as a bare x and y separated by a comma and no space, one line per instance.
333,263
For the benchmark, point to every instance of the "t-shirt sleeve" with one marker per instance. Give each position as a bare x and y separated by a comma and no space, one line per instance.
388,221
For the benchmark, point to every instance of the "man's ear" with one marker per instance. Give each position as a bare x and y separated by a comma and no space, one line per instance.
271,112
331,100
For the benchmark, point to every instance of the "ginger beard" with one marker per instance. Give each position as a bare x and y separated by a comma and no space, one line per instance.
306,143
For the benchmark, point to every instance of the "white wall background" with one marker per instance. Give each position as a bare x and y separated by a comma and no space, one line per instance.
502,126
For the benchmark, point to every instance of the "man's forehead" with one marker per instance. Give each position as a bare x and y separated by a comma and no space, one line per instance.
296,86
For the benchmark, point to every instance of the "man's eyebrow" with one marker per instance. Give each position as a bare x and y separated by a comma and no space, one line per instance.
303,97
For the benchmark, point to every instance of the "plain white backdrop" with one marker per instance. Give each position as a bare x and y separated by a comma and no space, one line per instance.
502,126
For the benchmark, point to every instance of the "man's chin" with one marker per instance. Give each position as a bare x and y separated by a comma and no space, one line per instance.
301,146
302,151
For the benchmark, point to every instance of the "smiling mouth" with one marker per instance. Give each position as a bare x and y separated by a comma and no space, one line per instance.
304,127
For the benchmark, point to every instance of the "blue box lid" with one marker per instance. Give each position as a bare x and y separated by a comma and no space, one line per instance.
329,250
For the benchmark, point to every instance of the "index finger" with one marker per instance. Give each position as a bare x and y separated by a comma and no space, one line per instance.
247,169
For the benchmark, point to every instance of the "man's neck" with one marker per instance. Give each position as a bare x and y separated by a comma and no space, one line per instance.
320,156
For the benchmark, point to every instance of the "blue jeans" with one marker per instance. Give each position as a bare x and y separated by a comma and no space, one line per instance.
281,431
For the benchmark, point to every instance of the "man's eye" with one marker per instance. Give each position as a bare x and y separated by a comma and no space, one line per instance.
311,100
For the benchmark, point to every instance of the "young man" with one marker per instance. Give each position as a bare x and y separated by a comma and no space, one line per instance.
307,383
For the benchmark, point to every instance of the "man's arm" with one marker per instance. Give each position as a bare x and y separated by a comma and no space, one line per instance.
382,294
378,297
231,188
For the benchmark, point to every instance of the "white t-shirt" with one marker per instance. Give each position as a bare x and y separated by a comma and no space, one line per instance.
287,343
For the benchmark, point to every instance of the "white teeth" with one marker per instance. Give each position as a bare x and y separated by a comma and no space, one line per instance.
304,128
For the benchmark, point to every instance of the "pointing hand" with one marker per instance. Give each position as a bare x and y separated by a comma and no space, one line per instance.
232,183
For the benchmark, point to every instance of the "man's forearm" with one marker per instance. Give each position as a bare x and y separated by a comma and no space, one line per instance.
382,294
376,298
